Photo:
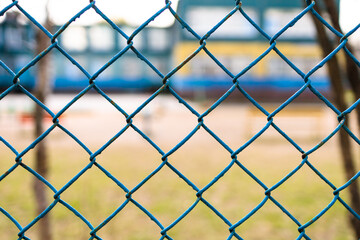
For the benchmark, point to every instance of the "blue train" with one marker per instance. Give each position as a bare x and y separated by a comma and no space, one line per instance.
235,44
92,47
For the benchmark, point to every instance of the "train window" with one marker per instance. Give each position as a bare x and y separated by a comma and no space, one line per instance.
70,70
101,38
121,41
277,67
276,19
74,39
139,41
10,63
305,64
202,19
13,38
1,37
131,67
158,39
96,63
21,61
238,63
3,72
160,64
205,66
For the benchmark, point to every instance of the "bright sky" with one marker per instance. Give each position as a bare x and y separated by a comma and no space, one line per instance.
131,11
349,15
136,12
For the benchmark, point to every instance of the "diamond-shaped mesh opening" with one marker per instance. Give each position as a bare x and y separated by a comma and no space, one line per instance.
86,125
95,201
255,120
328,161
65,224
14,63
202,19
165,200
227,194
351,123
68,77
124,14
7,227
17,196
278,79
130,159
277,19
303,199
268,166
345,194
263,221
229,121
130,223
7,157
235,57
353,38
205,73
6,78
208,225
201,150
90,17
332,225
17,125
305,124
129,73
66,158
157,119
97,42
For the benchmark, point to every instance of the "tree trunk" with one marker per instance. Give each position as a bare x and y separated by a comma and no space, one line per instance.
352,70
337,87
41,160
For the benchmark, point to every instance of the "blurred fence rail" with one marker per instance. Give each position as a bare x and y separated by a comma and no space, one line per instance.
234,155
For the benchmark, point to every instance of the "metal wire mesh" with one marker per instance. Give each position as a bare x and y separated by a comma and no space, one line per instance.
201,117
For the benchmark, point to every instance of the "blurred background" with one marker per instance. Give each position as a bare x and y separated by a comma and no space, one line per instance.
130,81
92,42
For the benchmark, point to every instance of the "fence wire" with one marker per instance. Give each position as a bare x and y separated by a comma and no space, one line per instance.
166,86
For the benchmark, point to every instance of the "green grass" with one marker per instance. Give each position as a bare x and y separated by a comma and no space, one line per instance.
166,196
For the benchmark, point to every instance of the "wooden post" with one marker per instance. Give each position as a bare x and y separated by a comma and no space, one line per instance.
337,86
42,89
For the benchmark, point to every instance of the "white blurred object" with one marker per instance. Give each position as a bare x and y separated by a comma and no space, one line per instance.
350,18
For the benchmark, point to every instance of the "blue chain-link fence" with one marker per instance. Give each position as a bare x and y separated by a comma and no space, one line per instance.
234,160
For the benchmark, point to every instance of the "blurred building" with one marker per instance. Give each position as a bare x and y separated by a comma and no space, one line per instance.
238,42
91,47
231,48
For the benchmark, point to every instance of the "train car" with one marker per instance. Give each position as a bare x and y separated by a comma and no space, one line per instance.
92,47
16,40
237,43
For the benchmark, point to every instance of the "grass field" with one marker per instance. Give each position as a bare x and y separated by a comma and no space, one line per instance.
130,159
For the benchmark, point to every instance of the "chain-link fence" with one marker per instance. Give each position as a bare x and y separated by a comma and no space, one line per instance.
234,159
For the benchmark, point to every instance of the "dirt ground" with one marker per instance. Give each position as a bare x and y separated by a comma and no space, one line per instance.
131,158
94,120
